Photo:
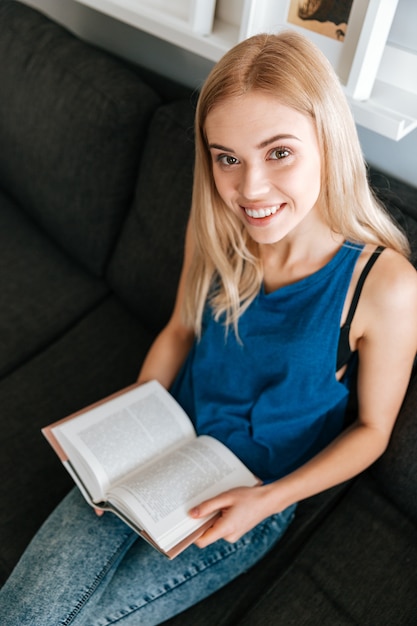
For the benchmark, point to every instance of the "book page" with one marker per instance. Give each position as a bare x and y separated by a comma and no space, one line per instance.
116,437
161,495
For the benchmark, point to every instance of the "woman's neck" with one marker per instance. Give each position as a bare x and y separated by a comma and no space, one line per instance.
292,259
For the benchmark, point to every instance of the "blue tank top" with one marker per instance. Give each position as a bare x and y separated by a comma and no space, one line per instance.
273,398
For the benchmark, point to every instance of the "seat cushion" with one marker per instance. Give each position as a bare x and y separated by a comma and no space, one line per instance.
72,122
96,357
43,291
359,568
396,470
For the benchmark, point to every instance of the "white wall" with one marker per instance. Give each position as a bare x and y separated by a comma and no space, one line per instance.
396,158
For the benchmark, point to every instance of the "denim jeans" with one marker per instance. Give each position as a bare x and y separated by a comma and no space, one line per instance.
84,570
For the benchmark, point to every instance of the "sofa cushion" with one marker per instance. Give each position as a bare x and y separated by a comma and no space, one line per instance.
43,291
400,199
146,264
72,121
358,569
396,470
96,357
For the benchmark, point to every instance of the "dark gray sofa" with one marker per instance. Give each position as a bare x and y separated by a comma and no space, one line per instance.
96,162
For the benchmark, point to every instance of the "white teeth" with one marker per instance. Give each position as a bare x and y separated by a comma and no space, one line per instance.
259,213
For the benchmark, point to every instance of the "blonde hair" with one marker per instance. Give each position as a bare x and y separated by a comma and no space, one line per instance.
226,267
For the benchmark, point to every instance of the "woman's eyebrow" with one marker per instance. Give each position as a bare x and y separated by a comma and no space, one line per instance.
216,146
263,144
275,138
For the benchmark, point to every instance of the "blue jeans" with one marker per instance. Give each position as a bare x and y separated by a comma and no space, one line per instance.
85,570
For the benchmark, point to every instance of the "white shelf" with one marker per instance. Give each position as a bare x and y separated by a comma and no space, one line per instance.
173,24
209,28
390,111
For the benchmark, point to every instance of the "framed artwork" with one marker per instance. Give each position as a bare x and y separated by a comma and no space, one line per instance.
351,33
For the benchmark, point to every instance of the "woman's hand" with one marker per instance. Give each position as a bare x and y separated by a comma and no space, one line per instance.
240,510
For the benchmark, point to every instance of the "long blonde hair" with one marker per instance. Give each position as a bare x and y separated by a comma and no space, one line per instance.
226,267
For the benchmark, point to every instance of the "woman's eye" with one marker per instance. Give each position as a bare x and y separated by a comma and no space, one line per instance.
279,153
227,159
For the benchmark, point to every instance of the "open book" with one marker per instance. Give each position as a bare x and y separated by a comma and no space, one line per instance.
136,453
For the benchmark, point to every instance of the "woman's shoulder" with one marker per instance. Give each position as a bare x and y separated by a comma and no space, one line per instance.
393,276
391,287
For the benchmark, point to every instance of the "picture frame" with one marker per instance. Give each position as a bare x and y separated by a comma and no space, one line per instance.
356,58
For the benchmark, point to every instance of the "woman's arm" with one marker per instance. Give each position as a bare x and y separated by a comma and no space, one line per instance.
173,343
385,335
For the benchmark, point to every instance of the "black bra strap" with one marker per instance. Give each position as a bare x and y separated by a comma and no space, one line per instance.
344,352
359,286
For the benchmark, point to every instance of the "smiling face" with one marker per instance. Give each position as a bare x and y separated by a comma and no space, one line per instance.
266,165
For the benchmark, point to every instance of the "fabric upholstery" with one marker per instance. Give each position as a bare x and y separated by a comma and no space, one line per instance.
147,260
43,292
396,471
400,200
99,355
71,130
358,569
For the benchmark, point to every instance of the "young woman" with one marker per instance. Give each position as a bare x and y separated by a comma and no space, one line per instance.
267,334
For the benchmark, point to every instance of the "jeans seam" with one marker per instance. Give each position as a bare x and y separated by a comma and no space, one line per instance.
97,581
173,585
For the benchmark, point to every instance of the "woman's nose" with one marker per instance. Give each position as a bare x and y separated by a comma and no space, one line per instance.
254,183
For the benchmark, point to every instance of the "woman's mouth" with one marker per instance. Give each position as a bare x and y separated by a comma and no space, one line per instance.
262,212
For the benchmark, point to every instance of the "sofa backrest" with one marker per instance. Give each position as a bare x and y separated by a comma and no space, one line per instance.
146,264
396,470
72,121
400,199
